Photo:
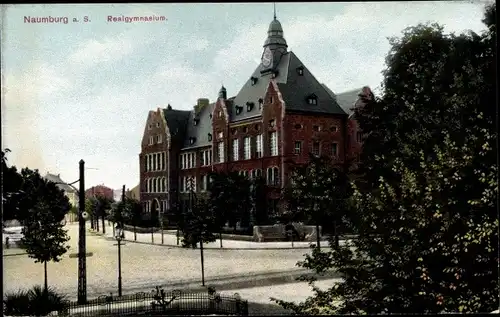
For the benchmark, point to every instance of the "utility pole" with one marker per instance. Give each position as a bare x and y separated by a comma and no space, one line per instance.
82,265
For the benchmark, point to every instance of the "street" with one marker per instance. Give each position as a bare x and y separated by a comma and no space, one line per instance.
143,266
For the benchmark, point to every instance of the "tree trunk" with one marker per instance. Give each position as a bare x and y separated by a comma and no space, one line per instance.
92,222
97,223
103,225
46,287
318,238
135,234
220,238
335,232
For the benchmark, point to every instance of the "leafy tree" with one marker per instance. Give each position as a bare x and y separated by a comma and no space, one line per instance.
259,201
90,208
44,237
198,224
426,207
317,193
11,189
229,199
103,207
127,212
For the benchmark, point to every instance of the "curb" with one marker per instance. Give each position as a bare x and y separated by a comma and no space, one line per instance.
14,254
206,248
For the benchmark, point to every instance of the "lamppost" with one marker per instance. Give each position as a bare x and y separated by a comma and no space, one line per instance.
119,236
192,197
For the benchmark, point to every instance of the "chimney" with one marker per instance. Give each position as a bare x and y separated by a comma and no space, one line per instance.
200,104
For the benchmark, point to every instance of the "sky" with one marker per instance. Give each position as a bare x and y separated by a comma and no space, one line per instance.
82,90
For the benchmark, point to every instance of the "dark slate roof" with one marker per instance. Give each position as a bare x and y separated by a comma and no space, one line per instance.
177,121
60,183
201,130
294,88
347,100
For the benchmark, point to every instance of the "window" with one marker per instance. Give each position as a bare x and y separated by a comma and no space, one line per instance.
273,137
253,80
245,129
150,126
181,159
150,185
150,159
221,152
235,150
316,128
220,135
246,174
234,131
300,70
163,184
157,124
256,173
272,123
151,140
210,116
219,113
238,109
258,142
154,184
145,159
146,187
261,102
359,137
204,183
206,157
257,127
250,106
192,140
335,149
333,128
298,126
315,148
210,137
271,99
312,99
154,162
193,160
158,163
196,121
191,182
164,160
183,182
246,146
298,147
272,176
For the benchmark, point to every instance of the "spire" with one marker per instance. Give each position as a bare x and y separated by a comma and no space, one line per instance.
275,37
274,10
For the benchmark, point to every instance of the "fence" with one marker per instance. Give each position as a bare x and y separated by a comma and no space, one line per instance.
159,303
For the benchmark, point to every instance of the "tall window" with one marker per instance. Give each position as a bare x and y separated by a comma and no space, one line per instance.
273,143
246,148
272,176
158,138
155,183
204,183
146,162
335,149
146,185
154,162
298,147
236,150
163,185
150,185
158,161
258,142
220,152
150,160
315,148
151,140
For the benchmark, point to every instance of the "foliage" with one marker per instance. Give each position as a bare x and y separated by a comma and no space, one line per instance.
198,224
427,197
229,198
317,193
34,302
11,189
127,212
259,201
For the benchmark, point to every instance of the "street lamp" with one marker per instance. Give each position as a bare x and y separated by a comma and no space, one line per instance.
119,235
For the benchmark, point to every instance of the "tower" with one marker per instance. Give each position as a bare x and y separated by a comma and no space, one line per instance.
275,45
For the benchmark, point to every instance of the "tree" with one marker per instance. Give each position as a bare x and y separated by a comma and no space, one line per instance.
317,193
90,208
259,201
44,237
426,207
11,189
229,197
198,224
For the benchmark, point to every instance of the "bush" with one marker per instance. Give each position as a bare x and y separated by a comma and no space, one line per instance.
33,302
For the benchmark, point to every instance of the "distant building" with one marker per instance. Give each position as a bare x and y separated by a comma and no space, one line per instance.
134,193
100,190
69,191
117,194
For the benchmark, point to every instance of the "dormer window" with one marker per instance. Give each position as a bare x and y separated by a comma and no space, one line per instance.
300,70
210,116
250,106
192,140
196,121
275,74
261,101
312,99
220,135
239,109
220,113
253,80
210,137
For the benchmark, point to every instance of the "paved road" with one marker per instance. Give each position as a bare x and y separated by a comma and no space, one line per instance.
142,265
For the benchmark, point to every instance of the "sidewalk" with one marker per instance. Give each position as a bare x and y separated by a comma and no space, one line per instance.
170,240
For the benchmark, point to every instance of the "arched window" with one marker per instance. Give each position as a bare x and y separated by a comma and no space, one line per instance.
146,185
269,175
150,185
155,188
276,176
163,185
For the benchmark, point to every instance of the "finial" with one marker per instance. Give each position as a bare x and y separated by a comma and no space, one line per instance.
274,3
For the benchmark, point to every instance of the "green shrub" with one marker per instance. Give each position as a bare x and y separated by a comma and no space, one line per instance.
33,302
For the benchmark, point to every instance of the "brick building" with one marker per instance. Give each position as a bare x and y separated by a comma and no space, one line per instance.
279,115
100,190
